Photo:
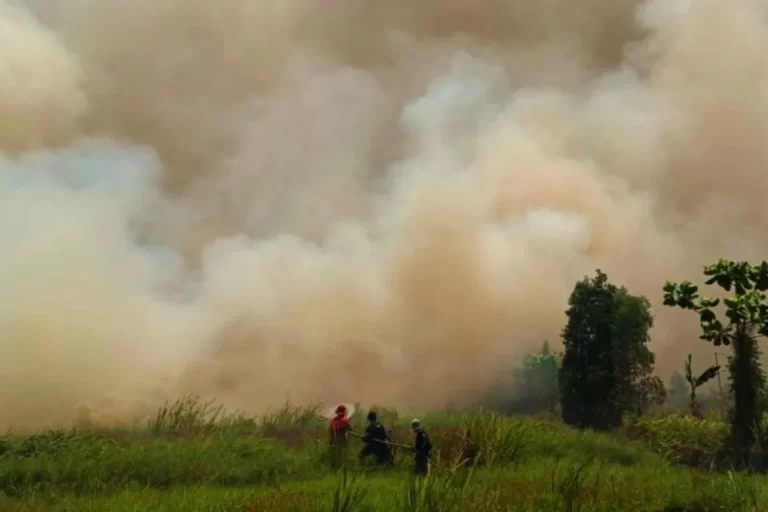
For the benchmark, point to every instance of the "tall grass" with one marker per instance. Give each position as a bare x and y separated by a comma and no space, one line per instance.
194,455
347,496
570,488
436,493
492,440
682,439
291,417
189,416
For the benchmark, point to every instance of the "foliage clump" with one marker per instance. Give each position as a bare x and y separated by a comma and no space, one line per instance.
746,319
607,367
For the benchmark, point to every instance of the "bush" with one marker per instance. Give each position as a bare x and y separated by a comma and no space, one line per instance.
681,439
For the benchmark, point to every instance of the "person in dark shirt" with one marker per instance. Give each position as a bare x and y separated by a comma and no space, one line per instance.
422,449
376,441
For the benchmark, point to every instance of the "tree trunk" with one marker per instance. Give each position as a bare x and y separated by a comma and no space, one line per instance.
745,382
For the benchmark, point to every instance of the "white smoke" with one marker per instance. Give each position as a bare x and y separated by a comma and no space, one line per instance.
252,200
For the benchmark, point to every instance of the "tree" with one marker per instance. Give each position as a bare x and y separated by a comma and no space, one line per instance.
679,393
696,382
746,313
639,389
537,380
607,367
650,393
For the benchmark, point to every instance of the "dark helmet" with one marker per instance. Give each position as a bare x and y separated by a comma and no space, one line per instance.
372,416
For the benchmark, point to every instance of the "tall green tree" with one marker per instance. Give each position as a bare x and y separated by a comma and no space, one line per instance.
745,320
638,388
537,380
607,366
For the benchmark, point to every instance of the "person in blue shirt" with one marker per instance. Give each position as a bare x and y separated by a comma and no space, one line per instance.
422,449
377,441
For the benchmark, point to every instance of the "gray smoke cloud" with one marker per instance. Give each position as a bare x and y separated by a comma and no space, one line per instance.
353,202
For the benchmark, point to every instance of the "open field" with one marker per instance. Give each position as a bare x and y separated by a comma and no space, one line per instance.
189,459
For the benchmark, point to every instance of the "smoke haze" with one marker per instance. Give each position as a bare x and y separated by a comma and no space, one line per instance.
351,201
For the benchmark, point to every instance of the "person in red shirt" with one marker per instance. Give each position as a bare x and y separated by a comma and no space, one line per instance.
339,427
338,430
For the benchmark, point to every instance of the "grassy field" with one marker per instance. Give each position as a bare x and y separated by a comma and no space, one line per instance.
190,458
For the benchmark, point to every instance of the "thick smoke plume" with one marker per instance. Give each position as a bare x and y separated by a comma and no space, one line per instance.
378,201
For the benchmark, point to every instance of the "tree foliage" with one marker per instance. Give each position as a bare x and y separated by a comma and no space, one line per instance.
607,367
650,393
745,319
537,380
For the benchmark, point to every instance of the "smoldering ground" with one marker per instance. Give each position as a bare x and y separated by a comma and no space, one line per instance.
351,201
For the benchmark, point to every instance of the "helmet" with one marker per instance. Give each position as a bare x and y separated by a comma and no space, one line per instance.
342,409
416,423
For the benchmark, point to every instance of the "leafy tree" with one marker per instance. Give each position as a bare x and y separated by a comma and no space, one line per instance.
537,380
639,389
607,367
746,318
650,393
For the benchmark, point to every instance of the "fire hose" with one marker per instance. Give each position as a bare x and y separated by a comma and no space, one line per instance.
390,443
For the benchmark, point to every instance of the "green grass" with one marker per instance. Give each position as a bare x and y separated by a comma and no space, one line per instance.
194,456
